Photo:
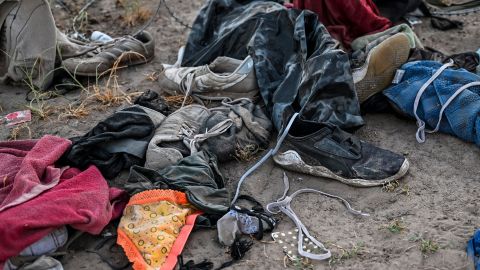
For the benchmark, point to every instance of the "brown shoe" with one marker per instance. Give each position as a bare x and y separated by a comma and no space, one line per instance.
132,51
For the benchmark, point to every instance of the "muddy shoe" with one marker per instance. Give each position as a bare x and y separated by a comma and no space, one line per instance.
170,143
224,78
130,50
382,62
330,152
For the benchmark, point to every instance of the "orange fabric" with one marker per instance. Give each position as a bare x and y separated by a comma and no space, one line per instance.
180,242
155,227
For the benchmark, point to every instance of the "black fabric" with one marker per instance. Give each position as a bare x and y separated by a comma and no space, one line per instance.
445,24
237,252
466,60
152,100
100,146
256,211
196,175
297,65
440,23
394,10
377,103
191,265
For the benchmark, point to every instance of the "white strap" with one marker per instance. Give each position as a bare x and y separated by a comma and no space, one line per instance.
216,130
283,205
270,153
420,135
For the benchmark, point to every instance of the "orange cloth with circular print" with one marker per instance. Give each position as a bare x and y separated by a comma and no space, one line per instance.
154,228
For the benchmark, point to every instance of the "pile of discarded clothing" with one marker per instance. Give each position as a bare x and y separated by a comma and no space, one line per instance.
305,71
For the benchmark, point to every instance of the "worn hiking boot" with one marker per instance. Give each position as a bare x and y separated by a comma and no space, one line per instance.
128,51
224,78
379,69
330,152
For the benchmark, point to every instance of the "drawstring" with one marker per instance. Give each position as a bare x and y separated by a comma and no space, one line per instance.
283,205
186,85
420,135
270,153
216,130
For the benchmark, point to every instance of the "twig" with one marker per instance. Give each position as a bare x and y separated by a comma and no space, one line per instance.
178,20
80,14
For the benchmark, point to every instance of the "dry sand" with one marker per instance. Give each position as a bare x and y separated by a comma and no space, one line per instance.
436,201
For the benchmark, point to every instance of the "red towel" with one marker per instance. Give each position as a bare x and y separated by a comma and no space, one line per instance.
347,19
27,168
82,200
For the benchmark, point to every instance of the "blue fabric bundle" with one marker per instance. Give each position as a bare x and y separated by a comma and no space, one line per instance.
460,117
473,249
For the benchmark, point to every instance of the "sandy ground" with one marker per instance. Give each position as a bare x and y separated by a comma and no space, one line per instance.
435,204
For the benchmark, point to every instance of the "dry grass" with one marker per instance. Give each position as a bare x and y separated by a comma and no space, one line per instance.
37,104
134,13
391,186
73,111
19,132
405,190
111,93
246,153
176,101
153,77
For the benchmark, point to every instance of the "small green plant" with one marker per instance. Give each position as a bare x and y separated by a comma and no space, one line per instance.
428,246
299,263
396,226
346,254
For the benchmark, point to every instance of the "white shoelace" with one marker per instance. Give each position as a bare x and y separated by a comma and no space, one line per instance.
283,205
269,154
186,84
420,134
216,130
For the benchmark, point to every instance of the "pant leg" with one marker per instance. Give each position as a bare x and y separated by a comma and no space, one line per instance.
29,44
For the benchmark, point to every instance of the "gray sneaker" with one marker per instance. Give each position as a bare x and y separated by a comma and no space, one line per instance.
171,140
224,78
135,50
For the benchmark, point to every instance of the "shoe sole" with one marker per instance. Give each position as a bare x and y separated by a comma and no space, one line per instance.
292,161
122,65
383,62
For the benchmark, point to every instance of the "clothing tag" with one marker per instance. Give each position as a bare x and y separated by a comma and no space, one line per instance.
398,76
